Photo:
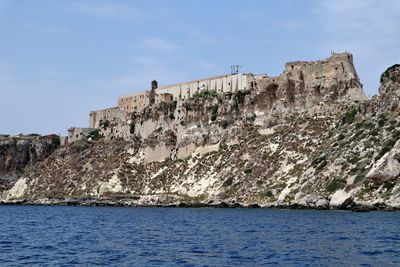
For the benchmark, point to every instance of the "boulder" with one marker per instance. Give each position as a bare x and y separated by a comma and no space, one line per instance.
387,167
313,201
340,199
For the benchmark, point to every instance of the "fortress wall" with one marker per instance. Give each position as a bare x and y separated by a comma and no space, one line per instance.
110,114
134,102
226,83
323,72
76,133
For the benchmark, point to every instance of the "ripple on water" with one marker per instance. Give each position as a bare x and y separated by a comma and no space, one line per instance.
196,237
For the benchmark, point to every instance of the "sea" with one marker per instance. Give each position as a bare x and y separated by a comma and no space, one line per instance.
112,236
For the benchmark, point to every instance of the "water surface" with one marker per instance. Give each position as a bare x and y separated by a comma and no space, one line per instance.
87,236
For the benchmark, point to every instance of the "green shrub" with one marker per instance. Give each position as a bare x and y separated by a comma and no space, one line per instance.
55,139
354,160
205,94
374,132
335,184
105,124
396,135
248,171
386,148
340,137
382,119
132,128
224,124
268,193
388,70
95,135
214,112
349,117
391,128
240,95
319,159
322,165
228,182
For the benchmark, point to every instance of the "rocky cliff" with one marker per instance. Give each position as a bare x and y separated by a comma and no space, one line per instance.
19,152
295,143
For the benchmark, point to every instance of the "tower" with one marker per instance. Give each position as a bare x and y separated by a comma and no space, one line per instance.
152,98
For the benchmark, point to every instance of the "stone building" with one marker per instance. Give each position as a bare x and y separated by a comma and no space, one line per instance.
134,102
182,91
103,117
220,84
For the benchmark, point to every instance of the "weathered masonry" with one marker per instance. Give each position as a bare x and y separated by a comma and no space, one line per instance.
181,91
330,78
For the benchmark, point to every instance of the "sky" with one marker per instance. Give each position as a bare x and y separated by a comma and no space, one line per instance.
61,59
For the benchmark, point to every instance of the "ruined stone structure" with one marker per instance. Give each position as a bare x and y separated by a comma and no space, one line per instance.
77,133
303,85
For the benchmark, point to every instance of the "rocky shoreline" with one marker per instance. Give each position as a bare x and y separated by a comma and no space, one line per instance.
135,202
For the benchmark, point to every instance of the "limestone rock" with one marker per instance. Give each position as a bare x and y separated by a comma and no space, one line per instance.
313,201
387,167
340,199
18,152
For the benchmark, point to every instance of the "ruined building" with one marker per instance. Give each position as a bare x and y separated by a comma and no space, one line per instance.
302,85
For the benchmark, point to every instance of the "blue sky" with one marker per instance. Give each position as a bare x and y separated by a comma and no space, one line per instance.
61,59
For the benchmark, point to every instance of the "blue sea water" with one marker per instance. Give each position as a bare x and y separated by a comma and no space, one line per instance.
109,236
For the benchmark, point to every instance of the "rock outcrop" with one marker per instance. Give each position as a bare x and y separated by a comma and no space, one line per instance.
19,152
341,199
388,167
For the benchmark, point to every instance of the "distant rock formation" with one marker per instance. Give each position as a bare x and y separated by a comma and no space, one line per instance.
19,152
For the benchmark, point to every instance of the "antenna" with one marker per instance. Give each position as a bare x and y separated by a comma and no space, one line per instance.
235,69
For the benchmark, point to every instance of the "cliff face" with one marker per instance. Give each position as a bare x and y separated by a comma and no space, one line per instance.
254,147
17,153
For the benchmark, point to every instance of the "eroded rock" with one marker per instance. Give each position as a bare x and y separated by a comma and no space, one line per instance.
387,167
340,200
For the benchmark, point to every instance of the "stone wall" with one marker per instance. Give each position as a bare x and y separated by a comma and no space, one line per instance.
106,116
220,84
76,133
